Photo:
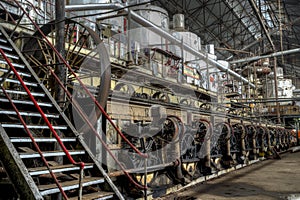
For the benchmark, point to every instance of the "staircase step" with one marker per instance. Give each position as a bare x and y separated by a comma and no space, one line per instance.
57,168
3,47
37,94
95,196
69,185
40,139
20,73
50,154
33,126
12,56
31,114
3,40
14,64
18,82
26,102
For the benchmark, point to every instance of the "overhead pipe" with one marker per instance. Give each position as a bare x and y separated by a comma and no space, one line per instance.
262,38
144,22
279,53
93,6
253,43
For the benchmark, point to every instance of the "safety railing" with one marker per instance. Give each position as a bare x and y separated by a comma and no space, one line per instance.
55,134
87,121
71,71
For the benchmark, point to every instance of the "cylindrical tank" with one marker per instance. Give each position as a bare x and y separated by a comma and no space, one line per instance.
188,38
178,22
144,35
154,14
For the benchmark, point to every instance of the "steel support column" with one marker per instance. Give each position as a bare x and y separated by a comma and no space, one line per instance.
60,70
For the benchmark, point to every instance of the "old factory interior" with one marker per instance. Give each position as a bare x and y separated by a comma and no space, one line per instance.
146,99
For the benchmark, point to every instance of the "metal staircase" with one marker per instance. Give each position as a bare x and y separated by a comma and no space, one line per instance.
42,152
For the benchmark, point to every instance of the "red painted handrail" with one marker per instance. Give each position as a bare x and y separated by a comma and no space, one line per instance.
86,119
82,85
97,104
41,111
34,143
65,150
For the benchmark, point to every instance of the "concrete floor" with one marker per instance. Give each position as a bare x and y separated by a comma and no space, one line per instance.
265,180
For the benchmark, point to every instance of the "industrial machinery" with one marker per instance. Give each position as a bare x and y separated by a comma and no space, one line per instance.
125,108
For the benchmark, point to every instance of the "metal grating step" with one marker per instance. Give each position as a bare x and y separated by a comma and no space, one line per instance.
95,196
40,139
37,94
33,126
3,47
3,40
20,73
49,154
26,102
31,114
69,185
58,168
9,80
12,56
14,64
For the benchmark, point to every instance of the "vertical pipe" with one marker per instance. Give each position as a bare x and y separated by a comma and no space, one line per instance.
60,69
255,81
276,91
45,11
280,30
80,184
243,143
297,130
145,179
267,87
254,135
208,145
182,61
68,14
128,28
207,74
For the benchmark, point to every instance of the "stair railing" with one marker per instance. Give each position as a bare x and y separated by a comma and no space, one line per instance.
82,84
143,155
69,156
86,119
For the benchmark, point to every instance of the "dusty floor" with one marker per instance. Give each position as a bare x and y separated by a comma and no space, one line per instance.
266,180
